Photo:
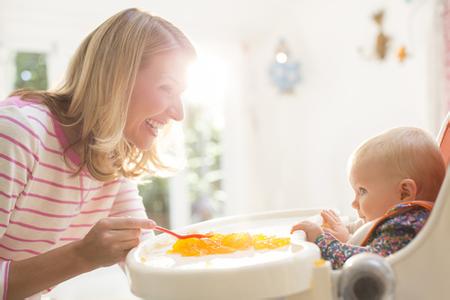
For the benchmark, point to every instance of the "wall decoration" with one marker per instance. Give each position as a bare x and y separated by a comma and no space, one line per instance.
284,72
384,45
402,54
382,40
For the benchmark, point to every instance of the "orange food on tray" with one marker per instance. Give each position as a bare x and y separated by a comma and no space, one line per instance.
227,243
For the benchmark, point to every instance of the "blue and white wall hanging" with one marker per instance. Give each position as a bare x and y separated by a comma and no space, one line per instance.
284,72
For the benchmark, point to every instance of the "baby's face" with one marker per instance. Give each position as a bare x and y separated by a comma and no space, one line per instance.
376,189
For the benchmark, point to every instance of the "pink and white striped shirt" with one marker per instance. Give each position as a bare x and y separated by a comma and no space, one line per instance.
42,204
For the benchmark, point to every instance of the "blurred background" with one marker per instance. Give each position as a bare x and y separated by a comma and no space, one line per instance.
281,93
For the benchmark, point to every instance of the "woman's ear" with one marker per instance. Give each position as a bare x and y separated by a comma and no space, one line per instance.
408,190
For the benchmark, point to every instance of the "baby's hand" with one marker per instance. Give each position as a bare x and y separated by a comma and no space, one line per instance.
311,229
334,225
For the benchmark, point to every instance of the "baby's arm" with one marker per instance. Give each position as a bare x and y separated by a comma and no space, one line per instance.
388,238
331,224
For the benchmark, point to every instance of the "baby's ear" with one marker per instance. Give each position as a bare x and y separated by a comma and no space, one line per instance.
408,190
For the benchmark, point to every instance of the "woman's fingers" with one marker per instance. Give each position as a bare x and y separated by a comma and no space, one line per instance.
128,245
129,223
106,242
124,234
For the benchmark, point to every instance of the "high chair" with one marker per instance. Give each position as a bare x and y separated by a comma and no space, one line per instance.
421,270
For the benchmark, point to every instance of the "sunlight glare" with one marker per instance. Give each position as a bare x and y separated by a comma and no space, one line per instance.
207,80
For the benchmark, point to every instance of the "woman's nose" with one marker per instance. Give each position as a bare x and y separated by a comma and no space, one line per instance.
176,111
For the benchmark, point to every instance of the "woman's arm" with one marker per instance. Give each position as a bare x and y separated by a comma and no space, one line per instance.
35,274
107,243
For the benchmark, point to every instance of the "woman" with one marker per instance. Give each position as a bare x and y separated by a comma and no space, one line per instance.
67,155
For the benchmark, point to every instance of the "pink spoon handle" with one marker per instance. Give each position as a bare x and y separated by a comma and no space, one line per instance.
181,236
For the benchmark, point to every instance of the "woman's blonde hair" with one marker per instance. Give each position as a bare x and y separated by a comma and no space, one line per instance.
406,152
97,89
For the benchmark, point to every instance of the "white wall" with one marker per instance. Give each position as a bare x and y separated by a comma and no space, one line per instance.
281,151
298,145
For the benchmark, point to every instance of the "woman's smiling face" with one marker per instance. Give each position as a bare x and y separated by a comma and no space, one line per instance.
155,99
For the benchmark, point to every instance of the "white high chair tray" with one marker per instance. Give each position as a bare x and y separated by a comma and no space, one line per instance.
251,274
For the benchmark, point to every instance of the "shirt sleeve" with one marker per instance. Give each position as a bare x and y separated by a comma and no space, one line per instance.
19,148
128,202
389,237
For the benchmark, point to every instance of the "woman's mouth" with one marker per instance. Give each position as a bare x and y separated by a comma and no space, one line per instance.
154,126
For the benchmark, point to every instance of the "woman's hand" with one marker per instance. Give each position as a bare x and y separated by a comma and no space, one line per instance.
333,225
110,240
311,229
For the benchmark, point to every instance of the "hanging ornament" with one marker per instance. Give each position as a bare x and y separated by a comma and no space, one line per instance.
382,40
284,72
384,44
402,54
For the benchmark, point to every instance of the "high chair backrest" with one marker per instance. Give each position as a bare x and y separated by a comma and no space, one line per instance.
444,139
428,252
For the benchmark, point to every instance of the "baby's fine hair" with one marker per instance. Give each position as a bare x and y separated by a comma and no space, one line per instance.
406,152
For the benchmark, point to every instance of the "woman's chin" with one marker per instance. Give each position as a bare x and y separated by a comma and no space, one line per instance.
144,144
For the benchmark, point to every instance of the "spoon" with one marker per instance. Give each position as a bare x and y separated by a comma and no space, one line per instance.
183,236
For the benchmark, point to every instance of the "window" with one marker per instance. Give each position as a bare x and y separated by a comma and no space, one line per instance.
204,173
155,193
202,178
31,71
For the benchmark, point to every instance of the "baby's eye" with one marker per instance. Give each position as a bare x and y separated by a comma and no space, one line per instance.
362,191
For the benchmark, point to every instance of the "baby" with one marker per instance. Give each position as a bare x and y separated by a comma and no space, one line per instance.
396,177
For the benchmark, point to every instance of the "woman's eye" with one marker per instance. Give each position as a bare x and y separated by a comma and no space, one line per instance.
168,89
362,191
